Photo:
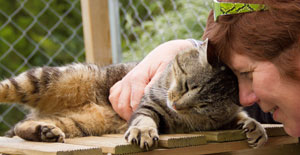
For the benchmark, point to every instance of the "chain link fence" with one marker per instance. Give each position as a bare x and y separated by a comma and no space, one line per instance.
49,32
36,33
147,23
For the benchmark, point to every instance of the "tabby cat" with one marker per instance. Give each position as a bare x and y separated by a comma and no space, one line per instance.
72,101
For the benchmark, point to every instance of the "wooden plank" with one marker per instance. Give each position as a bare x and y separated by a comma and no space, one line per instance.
181,140
220,147
279,140
201,149
114,145
288,149
223,135
235,135
274,130
19,146
174,140
96,28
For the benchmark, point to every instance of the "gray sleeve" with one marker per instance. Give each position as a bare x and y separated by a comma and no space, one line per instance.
195,42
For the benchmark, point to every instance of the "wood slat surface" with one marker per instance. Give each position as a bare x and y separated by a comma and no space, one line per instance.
194,143
287,149
114,145
181,140
274,130
174,140
223,147
19,146
224,135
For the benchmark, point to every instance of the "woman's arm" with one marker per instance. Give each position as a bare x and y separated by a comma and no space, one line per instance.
126,94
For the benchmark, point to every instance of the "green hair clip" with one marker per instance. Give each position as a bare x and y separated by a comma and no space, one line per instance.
228,8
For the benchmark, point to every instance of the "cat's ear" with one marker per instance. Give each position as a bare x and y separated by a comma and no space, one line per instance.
203,53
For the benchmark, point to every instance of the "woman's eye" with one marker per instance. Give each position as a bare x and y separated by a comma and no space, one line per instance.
247,75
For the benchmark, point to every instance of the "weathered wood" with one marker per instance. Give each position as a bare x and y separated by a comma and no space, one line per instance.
19,146
181,140
288,149
234,135
224,135
222,147
217,141
174,140
96,28
274,130
114,145
279,140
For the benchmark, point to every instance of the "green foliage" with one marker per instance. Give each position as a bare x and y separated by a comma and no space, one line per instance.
186,21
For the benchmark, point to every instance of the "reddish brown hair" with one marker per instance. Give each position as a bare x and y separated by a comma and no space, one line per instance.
271,35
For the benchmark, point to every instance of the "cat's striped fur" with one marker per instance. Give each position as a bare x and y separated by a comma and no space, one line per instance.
72,101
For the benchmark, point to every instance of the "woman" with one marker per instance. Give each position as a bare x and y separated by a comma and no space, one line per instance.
261,47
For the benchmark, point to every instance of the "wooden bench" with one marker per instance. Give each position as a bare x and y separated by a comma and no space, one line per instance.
229,142
98,50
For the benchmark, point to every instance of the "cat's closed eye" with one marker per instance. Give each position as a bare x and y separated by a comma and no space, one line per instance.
186,86
189,86
194,87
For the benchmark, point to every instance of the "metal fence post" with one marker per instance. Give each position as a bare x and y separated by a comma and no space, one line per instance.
115,36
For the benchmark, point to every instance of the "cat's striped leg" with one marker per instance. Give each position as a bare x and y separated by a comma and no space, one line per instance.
35,130
143,132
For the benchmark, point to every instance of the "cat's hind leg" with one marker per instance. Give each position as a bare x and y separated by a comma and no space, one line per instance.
35,130
88,120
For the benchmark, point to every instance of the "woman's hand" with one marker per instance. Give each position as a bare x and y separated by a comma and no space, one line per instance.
126,94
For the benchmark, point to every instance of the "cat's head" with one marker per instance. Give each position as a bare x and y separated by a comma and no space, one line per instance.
199,88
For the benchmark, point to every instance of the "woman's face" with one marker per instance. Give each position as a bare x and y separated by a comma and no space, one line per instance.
260,82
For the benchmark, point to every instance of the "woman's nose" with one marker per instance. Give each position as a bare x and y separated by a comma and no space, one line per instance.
248,99
246,94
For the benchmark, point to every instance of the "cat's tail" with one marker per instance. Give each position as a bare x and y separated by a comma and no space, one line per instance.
27,87
47,88
65,87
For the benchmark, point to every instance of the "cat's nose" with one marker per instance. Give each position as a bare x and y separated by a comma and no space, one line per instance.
174,106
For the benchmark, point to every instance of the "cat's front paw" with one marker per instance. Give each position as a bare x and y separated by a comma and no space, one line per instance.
255,133
144,137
